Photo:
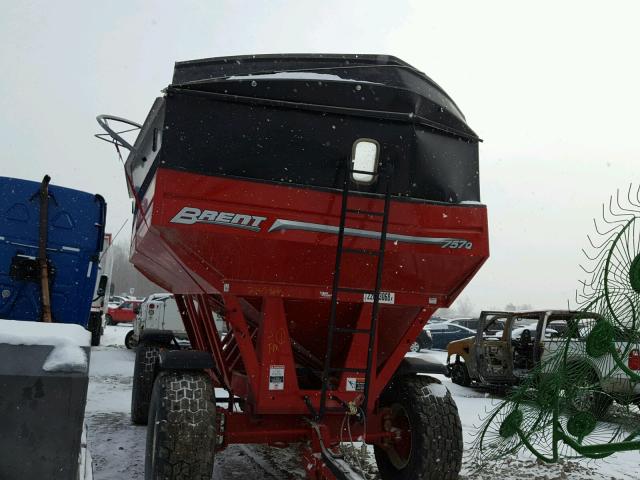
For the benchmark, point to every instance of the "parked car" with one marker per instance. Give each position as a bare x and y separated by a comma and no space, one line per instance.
124,313
507,357
467,322
424,341
115,301
444,332
435,319
531,330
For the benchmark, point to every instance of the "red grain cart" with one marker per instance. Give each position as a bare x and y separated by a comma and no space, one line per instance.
325,206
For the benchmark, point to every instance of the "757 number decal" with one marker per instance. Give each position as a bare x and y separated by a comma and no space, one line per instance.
457,244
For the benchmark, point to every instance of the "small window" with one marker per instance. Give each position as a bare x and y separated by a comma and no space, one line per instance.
364,160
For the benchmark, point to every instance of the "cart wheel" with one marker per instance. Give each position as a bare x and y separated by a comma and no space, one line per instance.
428,434
181,433
460,374
143,376
129,341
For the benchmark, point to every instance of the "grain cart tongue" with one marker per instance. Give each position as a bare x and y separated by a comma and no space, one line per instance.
326,206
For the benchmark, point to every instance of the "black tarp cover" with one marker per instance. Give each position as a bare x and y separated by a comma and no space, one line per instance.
294,118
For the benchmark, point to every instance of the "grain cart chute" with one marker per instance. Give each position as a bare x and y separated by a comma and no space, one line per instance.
326,206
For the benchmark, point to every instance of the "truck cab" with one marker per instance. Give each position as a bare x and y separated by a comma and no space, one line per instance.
506,346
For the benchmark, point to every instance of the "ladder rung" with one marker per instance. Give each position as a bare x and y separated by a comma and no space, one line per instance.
328,373
356,290
365,212
352,330
363,251
345,369
364,172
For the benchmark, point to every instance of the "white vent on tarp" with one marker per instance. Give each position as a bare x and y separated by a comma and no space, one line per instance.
364,160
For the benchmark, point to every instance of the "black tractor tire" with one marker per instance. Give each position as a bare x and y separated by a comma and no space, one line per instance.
435,431
129,341
144,373
108,320
181,435
460,374
95,327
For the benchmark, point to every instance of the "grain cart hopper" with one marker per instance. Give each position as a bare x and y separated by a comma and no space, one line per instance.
50,241
326,206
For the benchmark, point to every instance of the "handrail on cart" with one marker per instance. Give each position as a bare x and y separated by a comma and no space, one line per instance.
113,136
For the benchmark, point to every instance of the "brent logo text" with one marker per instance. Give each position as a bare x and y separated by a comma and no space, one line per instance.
191,215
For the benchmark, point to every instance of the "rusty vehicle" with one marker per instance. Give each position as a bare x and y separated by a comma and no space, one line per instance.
506,346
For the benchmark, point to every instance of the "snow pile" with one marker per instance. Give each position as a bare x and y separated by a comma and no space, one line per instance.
66,339
437,390
114,335
66,358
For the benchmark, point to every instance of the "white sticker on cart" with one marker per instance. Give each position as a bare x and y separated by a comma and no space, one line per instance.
276,377
355,384
383,297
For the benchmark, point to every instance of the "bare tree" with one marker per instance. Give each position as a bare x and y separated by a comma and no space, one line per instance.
512,307
464,307
125,276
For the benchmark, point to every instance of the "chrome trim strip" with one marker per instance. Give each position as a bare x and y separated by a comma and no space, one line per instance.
227,224
282,225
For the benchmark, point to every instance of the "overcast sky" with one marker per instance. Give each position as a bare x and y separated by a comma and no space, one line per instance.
553,88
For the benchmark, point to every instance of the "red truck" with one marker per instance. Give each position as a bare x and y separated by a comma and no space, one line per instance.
124,313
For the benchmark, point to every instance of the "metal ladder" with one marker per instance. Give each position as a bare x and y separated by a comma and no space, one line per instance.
337,288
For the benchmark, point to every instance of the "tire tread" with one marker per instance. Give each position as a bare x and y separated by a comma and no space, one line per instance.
143,377
438,433
184,427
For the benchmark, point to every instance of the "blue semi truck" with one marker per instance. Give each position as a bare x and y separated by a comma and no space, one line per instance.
51,239
68,239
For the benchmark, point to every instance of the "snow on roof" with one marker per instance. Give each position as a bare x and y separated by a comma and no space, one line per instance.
295,76
66,356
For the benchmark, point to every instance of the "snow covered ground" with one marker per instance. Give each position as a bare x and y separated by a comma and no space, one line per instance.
118,447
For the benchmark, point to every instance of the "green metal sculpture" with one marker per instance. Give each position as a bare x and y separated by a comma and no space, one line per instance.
561,409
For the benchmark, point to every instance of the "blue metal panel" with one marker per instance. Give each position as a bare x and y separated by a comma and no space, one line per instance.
75,235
